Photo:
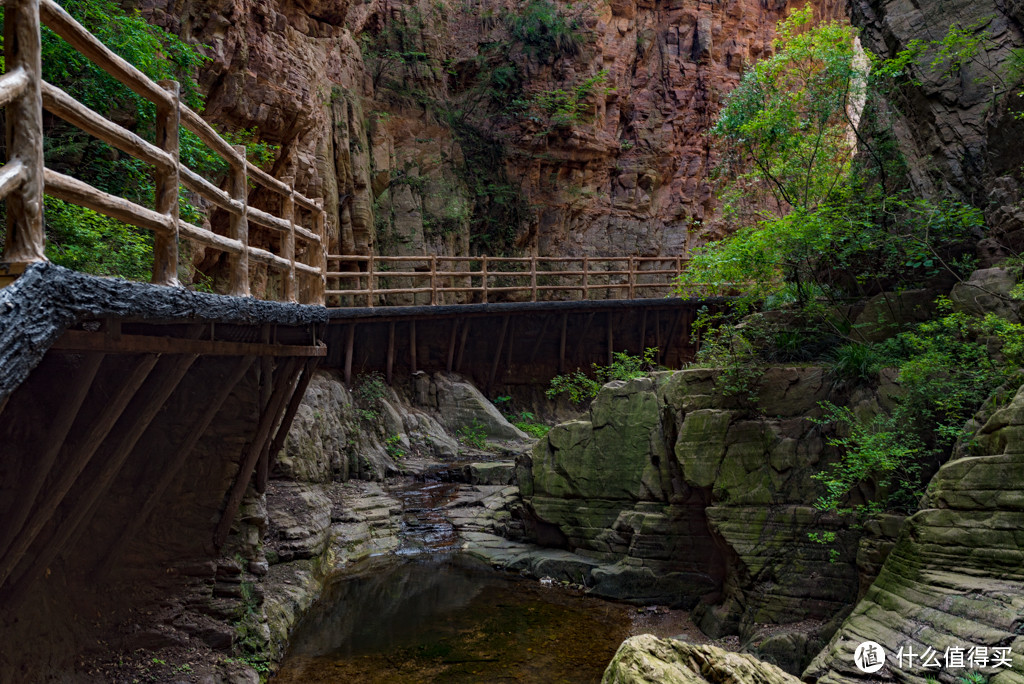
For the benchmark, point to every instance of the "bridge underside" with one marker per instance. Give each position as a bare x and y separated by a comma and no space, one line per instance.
508,344
133,420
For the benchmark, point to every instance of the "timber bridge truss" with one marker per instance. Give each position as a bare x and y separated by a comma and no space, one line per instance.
94,371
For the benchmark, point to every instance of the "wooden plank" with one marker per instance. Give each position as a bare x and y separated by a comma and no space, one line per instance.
209,238
451,344
412,346
12,175
78,192
583,336
643,333
80,340
350,341
76,389
160,385
169,472
561,344
75,455
259,443
462,345
193,181
13,84
266,388
611,345
165,245
26,240
74,112
540,338
672,334
294,402
66,27
497,353
391,351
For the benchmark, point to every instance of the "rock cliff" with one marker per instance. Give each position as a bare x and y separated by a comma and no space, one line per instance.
496,125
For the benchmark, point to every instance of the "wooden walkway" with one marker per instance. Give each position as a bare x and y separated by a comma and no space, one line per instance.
294,237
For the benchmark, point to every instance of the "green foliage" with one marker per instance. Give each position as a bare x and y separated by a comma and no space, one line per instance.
946,368
474,435
83,240
369,393
561,108
973,677
581,388
524,420
544,32
393,447
788,114
856,362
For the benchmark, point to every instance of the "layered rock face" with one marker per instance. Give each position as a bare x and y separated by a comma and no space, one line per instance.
954,578
421,122
696,496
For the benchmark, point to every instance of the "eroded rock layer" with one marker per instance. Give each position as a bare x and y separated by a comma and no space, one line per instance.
955,577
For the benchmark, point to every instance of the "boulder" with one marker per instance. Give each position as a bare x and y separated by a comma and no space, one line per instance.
646,659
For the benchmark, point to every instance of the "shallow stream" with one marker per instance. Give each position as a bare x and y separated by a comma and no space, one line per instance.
429,614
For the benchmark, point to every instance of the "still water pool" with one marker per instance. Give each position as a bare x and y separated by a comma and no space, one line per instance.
447,618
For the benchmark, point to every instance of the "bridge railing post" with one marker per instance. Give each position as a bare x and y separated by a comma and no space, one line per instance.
483,273
165,246
632,278
238,188
533,277
586,278
26,239
321,231
288,242
433,280
369,281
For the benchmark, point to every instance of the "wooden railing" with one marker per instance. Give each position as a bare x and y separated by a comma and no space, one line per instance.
24,178
457,280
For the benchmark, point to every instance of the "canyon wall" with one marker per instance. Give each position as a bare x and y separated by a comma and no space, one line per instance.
453,126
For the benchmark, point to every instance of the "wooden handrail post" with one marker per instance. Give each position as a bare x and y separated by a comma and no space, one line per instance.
483,272
632,278
533,277
165,247
369,281
433,280
586,278
321,231
238,188
288,246
26,238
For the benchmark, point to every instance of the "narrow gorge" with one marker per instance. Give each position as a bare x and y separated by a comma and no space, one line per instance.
637,341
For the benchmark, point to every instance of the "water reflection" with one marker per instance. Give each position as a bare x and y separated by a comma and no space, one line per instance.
434,618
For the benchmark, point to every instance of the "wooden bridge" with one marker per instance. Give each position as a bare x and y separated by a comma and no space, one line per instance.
108,386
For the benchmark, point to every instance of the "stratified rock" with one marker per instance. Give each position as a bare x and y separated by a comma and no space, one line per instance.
679,493
646,659
956,575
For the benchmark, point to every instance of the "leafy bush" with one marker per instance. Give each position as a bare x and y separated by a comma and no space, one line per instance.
369,393
856,362
474,435
581,388
544,32
946,369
